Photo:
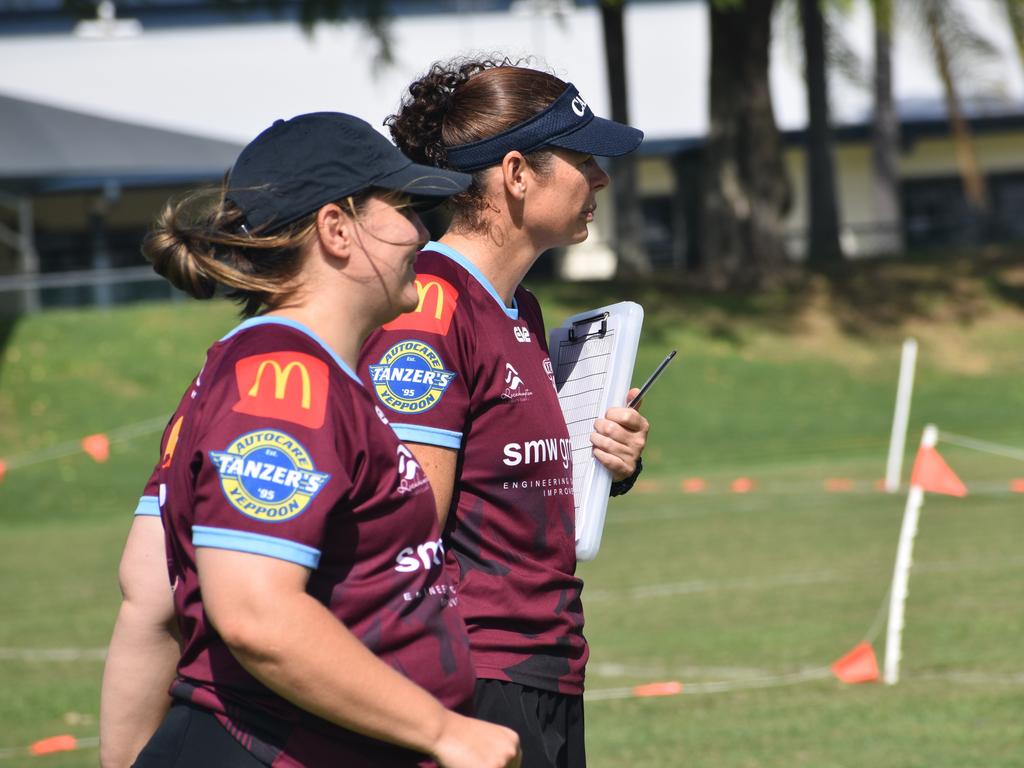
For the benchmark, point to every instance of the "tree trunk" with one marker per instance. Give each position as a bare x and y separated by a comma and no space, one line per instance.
885,137
966,157
823,247
746,190
628,237
1015,15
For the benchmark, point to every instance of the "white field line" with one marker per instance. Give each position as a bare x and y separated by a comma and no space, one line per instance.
53,654
724,686
665,671
972,678
694,509
698,586
720,585
764,680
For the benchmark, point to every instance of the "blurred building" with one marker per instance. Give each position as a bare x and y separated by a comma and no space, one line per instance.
194,80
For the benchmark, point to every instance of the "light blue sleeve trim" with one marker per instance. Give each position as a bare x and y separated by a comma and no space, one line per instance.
149,506
295,325
446,250
256,544
413,433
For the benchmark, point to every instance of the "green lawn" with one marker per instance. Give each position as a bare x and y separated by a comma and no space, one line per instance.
731,594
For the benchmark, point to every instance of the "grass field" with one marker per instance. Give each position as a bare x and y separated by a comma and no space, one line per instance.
744,598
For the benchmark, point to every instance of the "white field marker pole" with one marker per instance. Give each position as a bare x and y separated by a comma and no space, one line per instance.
904,391
901,571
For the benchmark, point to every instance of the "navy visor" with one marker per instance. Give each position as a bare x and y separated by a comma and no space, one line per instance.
568,122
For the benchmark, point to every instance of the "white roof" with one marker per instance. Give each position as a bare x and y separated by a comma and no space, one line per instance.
232,81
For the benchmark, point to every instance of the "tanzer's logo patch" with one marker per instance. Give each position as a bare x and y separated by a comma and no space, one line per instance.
410,378
268,475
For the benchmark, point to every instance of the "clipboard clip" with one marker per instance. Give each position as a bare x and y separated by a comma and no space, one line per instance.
603,317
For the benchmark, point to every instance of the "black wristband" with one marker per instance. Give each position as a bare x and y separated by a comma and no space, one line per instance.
620,487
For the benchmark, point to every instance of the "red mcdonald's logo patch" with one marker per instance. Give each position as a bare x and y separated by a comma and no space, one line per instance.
283,385
434,312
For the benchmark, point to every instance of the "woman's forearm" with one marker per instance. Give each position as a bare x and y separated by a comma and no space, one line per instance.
140,666
144,648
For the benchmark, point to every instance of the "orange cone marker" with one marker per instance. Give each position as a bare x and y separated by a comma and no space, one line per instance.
742,485
670,688
63,743
838,484
693,485
3,469
858,666
97,446
1016,485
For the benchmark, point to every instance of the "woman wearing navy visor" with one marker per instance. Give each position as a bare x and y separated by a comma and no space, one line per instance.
316,625
481,414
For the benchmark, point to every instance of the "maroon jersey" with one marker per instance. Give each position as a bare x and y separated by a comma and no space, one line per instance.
276,450
464,371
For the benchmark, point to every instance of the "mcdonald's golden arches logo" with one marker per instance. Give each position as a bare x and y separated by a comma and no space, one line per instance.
435,309
291,386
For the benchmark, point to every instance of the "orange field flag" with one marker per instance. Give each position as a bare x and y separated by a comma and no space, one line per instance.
933,474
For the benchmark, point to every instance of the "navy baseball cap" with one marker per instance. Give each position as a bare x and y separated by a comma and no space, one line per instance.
567,122
296,166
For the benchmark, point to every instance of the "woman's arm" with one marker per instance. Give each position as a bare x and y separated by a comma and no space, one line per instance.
295,646
143,651
619,439
439,465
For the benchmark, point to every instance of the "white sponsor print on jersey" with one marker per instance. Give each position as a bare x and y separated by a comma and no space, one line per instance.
550,371
514,387
522,334
538,451
410,478
426,556
380,415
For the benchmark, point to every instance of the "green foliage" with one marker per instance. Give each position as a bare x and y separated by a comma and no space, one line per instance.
788,389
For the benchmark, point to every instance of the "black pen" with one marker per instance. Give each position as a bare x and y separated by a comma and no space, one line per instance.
651,379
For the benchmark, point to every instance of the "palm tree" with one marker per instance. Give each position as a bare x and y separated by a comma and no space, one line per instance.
952,39
823,246
632,258
885,132
746,192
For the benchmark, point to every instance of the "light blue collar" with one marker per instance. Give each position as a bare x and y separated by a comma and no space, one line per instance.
254,321
466,264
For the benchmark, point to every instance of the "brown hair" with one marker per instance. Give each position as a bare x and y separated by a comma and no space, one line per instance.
466,100
200,242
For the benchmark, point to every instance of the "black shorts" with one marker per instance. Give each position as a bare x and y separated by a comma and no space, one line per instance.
192,737
549,724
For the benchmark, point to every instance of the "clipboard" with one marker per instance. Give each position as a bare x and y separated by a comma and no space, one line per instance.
592,354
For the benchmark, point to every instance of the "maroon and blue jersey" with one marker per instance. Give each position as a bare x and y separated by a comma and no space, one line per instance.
463,371
277,450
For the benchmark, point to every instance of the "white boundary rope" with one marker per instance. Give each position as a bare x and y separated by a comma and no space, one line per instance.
71,447
984,446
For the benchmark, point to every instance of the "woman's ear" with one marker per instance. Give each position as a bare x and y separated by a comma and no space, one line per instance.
336,231
514,174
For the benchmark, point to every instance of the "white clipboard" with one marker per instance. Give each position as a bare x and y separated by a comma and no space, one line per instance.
593,354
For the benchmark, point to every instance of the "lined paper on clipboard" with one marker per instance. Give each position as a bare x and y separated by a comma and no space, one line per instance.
593,354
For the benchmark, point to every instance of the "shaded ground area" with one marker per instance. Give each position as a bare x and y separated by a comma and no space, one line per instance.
872,299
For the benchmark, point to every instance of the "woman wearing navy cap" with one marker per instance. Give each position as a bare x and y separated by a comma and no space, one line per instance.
480,411
316,625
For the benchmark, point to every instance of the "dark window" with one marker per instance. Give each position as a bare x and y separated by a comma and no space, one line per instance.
1007,191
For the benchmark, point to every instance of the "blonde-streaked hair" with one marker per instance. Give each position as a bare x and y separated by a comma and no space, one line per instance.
200,242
